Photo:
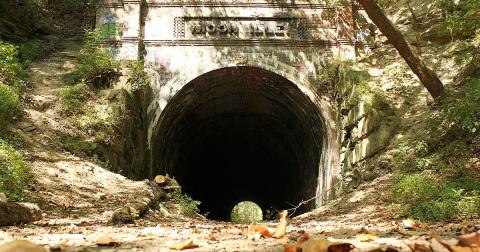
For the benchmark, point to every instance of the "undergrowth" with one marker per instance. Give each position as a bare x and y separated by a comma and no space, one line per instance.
138,77
14,174
187,205
437,176
73,99
95,67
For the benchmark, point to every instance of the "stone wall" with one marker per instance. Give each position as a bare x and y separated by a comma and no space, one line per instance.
182,40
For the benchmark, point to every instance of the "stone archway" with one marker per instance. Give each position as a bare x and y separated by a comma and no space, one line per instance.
241,133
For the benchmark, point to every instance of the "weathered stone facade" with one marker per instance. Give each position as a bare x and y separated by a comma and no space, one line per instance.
189,45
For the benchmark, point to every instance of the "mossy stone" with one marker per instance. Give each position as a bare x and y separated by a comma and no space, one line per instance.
246,212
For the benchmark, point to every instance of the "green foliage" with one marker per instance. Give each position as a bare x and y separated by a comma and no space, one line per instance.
462,109
187,205
14,174
431,198
10,105
73,98
101,124
95,64
462,16
76,144
12,72
139,78
437,180
30,51
339,79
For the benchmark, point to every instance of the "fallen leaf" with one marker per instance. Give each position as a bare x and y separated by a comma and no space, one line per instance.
417,247
303,238
21,246
469,240
464,249
366,237
325,246
383,249
340,247
261,229
107,241
290,248
437,246
282,227
189,244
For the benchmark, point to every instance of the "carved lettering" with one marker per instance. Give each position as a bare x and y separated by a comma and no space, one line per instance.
214,28
244,28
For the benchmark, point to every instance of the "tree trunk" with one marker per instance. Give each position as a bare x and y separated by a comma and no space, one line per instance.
416,27
14,214
428,78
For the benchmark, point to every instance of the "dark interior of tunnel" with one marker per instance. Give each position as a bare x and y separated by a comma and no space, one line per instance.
241,133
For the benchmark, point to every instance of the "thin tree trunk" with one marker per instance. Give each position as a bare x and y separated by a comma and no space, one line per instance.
428,78
416,27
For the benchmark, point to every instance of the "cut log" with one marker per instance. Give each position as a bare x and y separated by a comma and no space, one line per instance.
160,180
124,215
18,213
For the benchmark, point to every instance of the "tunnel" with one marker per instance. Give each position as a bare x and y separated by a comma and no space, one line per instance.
241,133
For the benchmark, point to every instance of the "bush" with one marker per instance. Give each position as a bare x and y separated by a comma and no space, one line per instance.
12,72
432,198
462,109
14,174
95,64
187,205
30,51
73,98
139,78
10,105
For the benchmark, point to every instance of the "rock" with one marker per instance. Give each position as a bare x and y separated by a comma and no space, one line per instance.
26,126
102,196
3,198
19,213
21,246
246,212
43,105
122,216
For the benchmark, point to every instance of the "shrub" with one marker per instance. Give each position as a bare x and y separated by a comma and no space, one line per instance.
12,72
428,197
139,78
30,51
95,64
462,109
10,105
73,98
187,205
14,174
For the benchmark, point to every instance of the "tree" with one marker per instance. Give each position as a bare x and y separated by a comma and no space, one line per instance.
428,78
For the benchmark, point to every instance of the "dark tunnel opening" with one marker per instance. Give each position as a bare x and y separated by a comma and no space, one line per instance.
241,133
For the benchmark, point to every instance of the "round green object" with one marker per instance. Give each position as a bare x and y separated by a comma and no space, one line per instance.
246,212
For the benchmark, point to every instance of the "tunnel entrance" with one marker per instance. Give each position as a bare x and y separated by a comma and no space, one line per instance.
241,133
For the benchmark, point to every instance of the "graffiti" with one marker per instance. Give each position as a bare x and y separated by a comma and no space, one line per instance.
110,28
113,51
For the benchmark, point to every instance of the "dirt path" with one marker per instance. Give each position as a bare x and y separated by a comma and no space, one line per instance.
78,197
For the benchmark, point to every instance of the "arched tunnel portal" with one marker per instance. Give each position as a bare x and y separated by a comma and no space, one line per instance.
241,133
